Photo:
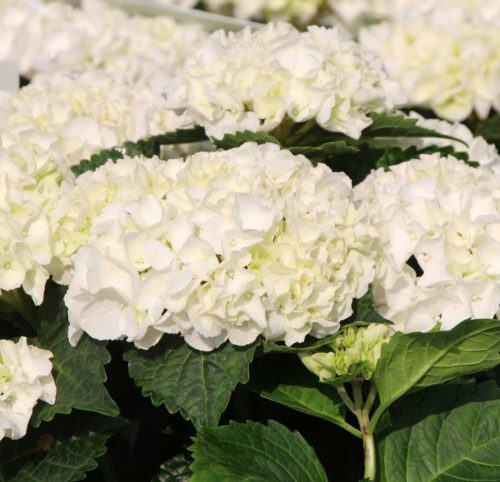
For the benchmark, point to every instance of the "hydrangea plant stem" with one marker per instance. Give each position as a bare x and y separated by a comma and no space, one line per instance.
363,416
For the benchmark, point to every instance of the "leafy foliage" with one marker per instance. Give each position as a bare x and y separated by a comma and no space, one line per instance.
78,371
285,380
198,384
417,360
66,461
254,452
230,141
145,147
364,310
449,432
490,130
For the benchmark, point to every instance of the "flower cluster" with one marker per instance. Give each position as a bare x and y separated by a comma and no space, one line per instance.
438,222
84,113
240,243
354,351
447,56
253,81
95,36
299,12
25,378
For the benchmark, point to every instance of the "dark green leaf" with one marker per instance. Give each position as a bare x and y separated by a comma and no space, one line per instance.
198,384
285,380
418,360
78,372
229,141
331,148
387,125
148,147
446,433
364,310
66,462
253,452
490,130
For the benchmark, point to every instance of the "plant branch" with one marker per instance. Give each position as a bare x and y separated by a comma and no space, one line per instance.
345,398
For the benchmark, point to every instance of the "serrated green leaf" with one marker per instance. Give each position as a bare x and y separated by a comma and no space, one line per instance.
148,147
331,148
397,124
286,381
490,130
418,360
198,384
66,462
253,452
78,371
447,433
174,470
229,141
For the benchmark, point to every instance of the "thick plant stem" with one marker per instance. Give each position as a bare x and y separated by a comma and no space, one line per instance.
363,416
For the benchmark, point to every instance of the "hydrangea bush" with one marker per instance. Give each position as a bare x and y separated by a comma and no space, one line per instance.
212,242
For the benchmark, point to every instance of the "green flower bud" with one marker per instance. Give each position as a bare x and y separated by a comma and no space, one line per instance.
355,348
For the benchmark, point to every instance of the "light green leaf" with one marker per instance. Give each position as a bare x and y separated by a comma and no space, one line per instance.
229,141
66,462
397,124
198,384
253,452
78,372
447,433
285,380
418,360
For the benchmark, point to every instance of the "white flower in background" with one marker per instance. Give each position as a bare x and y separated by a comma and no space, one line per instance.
96,36
240,243
300,12
254,80
438,222
447,58
85,113
25,378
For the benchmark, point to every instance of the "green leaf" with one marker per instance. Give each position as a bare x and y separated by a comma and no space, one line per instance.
253,452
229,141
78,372
399,125
198,384
174,470
446,433
285,380
418,360
148,147
490,130
331,148
364,310
66,462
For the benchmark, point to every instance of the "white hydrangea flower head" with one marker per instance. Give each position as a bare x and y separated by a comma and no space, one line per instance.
85,113
25,378
301,12
254,80
246,242
447,59
438,222
62,37
30,176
